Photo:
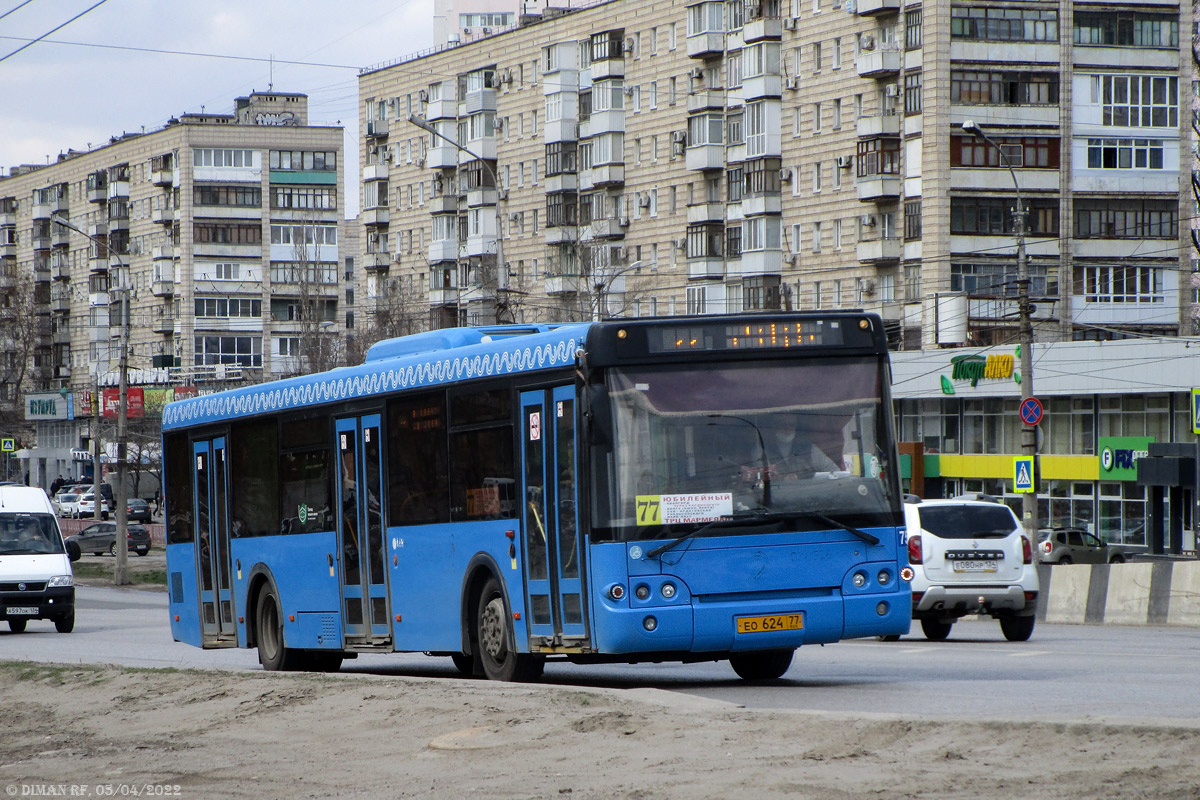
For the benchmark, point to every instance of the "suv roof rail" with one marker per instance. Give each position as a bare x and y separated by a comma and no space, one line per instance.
980,496
912,498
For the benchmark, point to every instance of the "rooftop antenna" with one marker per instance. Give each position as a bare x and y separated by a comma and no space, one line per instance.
271,81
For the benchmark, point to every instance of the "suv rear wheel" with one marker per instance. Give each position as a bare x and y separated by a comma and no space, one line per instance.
1017,629
936,630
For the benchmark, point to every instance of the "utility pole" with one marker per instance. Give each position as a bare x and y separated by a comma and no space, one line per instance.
1029,500
121,536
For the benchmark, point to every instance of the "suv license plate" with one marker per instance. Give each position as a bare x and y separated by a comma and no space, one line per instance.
14,611
974,566
775,622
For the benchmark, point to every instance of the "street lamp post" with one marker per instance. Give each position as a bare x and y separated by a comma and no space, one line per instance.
120,539
501,269
1029,502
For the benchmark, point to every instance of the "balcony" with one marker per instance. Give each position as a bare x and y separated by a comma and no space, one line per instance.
375,216
706,45
705,157
163,177
163,216
563,284
443,250
378,128
871,8
8,250
706,98
607,175
606,228
443,204
755,205
118,189
881,63
876,188
442,157
705,212
710,267
161,252
880,251
162,323
443,296
163,287
60,269
60,303
40,241
377,261
876,125
374,172
762,262
762,29
61,337
560,234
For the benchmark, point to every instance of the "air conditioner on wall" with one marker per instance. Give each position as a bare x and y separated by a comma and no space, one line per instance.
785,174
867,44
498,124
851,6
867,220
506,76
643,200
789,23
679,137
423,96
791,82
845,162
866,286
627,45
891,90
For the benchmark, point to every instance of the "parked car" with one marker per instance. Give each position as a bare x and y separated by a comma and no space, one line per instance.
100,537
969,556
66,504
137,509
1077,546
86,507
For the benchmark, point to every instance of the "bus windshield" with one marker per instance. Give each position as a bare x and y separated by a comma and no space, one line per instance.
689,445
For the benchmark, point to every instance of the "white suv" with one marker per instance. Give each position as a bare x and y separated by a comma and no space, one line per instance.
970,556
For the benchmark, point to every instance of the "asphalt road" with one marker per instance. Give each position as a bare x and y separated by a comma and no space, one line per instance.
1064,672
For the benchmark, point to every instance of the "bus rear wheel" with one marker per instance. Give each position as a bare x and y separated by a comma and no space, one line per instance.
761,666
497,644
271,652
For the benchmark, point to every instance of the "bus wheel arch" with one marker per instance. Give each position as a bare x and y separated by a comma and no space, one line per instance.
479,572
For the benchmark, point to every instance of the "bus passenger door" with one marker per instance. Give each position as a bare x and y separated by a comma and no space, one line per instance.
553,549
211,487
360,532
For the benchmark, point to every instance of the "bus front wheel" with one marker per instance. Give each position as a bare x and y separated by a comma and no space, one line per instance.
761,666
271,653
497,644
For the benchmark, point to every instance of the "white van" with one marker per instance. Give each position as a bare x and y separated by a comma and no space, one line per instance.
35,563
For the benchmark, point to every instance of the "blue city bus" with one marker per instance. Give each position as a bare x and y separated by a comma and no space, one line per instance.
667,489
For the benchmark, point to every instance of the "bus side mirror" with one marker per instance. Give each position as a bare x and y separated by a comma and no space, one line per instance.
597,416
73,551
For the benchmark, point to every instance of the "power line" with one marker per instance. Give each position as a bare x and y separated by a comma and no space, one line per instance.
17,8
268,60
32,42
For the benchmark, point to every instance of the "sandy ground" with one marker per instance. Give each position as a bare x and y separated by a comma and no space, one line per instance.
270,735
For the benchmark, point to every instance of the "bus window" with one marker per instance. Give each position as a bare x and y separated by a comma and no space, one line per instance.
178,469
418,480
254,506
481,463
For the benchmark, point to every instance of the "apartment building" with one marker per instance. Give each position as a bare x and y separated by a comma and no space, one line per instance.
218,235
661,157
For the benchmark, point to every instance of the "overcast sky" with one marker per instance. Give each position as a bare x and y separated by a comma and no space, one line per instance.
57,96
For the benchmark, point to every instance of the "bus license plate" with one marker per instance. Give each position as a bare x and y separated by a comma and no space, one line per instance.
14,611
974,566
774,622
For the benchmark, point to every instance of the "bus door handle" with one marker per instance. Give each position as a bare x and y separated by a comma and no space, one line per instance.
329,556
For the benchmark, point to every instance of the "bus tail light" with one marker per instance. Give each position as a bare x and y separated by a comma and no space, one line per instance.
1026,551
914,550
616,591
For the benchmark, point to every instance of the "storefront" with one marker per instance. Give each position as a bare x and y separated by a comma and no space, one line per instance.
1104,402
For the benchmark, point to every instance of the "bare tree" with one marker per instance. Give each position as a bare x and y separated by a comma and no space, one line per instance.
315,286
22,339
394,306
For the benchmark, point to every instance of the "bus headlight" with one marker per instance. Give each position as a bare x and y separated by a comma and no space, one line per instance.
668,590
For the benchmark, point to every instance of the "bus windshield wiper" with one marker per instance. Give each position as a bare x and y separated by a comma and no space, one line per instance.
760,517
751,517
869,538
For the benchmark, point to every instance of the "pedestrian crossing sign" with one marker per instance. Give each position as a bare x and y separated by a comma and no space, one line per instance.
1196,411
1022,474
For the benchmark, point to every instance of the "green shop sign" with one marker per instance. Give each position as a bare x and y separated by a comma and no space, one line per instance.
1119,456
974,367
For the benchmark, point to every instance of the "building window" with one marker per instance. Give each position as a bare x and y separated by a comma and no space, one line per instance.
912,220
1000,280
706,129
990,24
225,308
760,293
878,157
245,351
734,182
1028,152
761,233
912,93
1126,219
1138,101
306,160
226,233
912,29
219,157
816,237
733,241
912,283
706,240
236,196
994,216
705,18
697,300
1126,29
1125,154
1003,88
762,176
1120,284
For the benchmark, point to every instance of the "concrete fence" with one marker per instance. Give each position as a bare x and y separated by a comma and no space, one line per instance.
1135,593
